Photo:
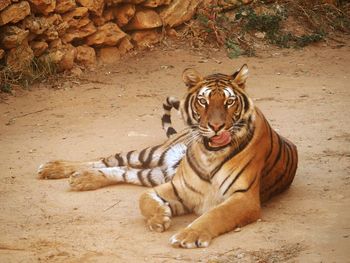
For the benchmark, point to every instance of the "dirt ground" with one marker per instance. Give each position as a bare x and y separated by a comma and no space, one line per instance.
304,93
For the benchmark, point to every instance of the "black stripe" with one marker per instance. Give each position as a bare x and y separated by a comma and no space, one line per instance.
119,159
190,187
237,176
282,175
162,157
150,155
104,162
124,176
187,101
245,190
170,131
150,179
166,107
141,179
271,140
280,144
246,103
178,197
176,104
176,164
142,155
166,118
194,168
241,147
128,156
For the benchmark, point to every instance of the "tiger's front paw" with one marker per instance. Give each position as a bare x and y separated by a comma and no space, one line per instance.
190,238
88,180
161,220
55,170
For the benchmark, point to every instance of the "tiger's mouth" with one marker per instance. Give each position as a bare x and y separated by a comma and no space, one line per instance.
219,141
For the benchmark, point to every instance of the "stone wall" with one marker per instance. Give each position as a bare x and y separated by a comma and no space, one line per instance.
69,32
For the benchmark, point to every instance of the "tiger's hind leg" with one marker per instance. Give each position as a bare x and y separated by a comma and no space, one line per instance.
91,179
64,169
161,203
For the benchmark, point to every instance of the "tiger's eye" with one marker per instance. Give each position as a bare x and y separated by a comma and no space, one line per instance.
202,101
230,101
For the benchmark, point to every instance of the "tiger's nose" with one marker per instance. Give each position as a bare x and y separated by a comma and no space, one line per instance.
216,126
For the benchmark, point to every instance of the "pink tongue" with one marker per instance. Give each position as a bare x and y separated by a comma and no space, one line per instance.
221,140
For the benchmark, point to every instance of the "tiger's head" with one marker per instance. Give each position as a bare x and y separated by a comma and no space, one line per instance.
218,106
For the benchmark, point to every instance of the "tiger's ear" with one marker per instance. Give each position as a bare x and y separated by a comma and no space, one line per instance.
191,77
240,76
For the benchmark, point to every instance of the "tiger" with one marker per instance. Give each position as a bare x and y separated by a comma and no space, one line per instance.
222,166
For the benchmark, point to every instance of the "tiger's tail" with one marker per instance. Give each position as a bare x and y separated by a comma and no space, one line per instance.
170,102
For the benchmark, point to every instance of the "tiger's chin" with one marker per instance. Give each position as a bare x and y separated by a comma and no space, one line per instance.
218,142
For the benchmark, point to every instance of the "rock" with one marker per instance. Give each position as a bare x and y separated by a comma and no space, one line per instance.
232,3
86,56
125,45
113,2
109,34
146,38
13,36
144,19
108,55
14,13
4,4
56,44
155,3
63,6
123,14
39,24
43,6
2,53
38,47
94,6
106,17
178,12
49,61
18,59
67,61
78,33
78,17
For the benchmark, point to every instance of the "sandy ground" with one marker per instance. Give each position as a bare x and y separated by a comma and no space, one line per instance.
304,93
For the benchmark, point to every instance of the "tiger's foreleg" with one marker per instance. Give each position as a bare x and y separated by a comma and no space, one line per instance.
239,210
159,204
91,179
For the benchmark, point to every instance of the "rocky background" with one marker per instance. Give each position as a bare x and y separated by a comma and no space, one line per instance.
70,32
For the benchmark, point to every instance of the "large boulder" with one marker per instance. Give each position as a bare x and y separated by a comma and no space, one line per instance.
67,61
144,19
79,33
108,35
13,36
14,13
178,12
43,6
86,56
63,6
